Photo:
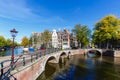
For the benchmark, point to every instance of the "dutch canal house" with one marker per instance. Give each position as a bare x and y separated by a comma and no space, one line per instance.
73,41
54,39
65,39
59,33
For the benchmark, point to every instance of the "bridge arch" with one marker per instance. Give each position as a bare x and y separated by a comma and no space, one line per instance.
54,58
98,52
51,59
63,54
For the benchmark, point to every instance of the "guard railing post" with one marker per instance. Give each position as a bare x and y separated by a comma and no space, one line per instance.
1,68
23,61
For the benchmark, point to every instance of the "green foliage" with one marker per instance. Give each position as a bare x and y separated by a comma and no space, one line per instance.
16,44
25,41
2,41
82,33
8,42
30,41
106,29
35,39
46,37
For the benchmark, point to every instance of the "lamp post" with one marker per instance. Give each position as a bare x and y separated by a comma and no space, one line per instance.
13,33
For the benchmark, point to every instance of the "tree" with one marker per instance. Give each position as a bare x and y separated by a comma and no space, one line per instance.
2,41
25,41
16,44
8,42
83,34
30,41
46,37
107,30
35,39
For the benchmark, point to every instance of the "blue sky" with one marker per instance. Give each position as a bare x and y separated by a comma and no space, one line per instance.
29,16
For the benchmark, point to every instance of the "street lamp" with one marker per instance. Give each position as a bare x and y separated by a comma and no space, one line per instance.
13,33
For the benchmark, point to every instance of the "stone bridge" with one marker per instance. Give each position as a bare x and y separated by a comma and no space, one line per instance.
105,52
95,49
33,70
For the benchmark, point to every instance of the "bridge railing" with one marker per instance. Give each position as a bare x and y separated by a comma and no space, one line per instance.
6,67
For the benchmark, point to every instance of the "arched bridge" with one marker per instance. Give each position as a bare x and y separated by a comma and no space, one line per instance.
52,58
30,66
94,49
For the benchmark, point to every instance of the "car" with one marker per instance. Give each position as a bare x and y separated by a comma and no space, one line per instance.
42,48
74,47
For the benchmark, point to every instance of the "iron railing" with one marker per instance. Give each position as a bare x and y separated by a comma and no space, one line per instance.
6,66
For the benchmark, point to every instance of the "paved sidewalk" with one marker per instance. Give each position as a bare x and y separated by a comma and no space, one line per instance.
7,58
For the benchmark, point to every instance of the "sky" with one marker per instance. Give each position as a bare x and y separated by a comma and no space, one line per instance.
28,16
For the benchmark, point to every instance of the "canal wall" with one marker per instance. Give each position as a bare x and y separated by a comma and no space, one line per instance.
30,72
105,52
112,53
108,53
117,54
78,51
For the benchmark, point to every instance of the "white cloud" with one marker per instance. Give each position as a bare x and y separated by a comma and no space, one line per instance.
14,9
18,10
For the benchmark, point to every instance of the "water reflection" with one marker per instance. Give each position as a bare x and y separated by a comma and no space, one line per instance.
49,72
94,53
52,70
80,67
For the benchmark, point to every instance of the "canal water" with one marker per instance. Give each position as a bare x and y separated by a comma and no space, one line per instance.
17,51
80,67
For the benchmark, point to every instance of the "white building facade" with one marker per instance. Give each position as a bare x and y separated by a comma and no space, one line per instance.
54,39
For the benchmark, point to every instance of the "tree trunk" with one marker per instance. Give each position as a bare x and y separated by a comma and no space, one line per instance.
80,44
107,44
46,45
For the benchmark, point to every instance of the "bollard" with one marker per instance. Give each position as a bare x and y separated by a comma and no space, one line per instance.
36,56
44,52
23,61
40,54
31,58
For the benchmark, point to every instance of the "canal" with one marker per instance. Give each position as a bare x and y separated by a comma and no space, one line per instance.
17,51
80,67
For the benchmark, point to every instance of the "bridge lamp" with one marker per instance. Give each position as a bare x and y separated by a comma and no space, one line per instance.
13,34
